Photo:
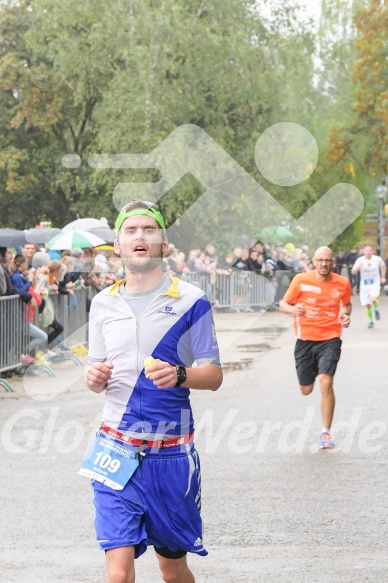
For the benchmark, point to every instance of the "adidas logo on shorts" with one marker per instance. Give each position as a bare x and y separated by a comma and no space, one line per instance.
198,542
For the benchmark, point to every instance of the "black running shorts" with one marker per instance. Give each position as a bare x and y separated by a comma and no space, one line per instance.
313,358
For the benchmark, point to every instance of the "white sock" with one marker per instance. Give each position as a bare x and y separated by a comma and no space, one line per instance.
325,429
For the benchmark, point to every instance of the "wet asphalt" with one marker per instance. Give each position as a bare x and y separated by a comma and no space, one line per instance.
275,506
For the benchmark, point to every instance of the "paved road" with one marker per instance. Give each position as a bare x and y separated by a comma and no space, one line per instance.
275,507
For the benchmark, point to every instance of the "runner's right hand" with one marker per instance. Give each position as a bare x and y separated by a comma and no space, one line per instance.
98,374
299,309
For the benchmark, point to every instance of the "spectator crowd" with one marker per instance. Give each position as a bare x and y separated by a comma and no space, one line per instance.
34,274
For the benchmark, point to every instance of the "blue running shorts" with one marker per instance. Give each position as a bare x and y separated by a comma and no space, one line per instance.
159,506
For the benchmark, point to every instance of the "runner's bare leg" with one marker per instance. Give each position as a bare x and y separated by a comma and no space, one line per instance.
120,565
175,570
328,398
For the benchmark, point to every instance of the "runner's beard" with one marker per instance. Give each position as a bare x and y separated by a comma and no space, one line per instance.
141,264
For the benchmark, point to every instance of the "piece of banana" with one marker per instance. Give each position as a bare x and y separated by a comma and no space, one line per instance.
149,361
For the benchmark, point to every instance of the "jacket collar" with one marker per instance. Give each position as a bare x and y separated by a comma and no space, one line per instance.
172,291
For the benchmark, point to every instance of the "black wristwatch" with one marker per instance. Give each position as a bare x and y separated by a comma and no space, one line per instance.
181,374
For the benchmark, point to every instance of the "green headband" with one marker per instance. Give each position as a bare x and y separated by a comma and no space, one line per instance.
153,213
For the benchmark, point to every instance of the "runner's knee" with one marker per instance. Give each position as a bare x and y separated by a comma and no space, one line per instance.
175,570
306,389
117,574
120,566
185,576
326,384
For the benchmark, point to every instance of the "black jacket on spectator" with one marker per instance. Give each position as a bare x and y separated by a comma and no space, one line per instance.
254,265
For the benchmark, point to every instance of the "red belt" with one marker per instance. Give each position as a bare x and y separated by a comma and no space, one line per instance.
177,440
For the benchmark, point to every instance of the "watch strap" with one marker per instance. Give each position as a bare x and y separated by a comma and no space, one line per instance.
181,374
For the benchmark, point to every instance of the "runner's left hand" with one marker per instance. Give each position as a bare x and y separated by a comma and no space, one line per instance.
162,374
345,320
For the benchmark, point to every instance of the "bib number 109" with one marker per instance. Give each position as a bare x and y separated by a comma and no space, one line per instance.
105,461
109,462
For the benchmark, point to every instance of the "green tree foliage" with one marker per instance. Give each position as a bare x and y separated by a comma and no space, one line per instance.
118,77
359,141
49,91
336,53
371,85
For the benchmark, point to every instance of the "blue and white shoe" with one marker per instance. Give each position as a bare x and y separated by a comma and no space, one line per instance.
370,325
326,441
377,315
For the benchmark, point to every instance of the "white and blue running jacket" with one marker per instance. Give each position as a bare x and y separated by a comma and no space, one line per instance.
176,327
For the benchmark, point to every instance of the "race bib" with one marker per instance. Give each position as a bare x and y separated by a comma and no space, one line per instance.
110,462
369,281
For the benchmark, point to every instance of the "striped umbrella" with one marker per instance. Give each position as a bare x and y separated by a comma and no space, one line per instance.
72,239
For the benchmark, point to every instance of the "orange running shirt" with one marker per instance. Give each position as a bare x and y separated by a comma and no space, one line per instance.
322,301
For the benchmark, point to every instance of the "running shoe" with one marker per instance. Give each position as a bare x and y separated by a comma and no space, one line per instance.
370,325
326,441
377,315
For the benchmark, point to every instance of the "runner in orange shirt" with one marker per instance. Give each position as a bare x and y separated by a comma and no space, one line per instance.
320,302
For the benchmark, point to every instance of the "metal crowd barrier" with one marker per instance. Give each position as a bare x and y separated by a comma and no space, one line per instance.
70,311
239,291
14,337
73,313
242,290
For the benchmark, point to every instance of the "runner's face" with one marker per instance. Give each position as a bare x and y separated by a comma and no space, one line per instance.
323,262
368,252
140,244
